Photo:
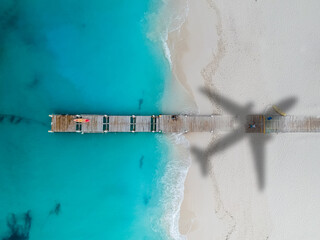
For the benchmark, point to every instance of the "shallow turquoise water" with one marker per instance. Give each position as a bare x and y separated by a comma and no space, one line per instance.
79,57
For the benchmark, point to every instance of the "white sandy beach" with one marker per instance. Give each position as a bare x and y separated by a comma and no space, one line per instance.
259,52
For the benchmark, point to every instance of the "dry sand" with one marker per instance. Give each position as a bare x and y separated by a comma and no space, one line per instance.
260,52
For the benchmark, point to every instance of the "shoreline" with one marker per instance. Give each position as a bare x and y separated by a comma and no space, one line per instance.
240,50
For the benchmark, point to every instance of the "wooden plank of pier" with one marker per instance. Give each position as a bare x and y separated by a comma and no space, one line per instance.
94,126
143,124
279,124
172,123
195,123
63,123
120,123
184,123
258,121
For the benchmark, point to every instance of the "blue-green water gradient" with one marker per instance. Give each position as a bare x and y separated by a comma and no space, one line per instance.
69,56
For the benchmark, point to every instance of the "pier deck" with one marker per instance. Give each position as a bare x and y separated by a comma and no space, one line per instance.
279,124
195,123
94,126
183,123
119,123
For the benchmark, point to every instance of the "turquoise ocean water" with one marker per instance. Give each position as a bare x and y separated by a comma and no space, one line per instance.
79,57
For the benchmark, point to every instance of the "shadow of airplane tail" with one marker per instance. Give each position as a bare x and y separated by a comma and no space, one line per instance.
258,145
202,157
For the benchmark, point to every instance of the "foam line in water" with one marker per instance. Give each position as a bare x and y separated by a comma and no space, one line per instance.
173,184
170,17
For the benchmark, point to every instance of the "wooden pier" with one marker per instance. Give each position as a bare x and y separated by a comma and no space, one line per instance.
183,123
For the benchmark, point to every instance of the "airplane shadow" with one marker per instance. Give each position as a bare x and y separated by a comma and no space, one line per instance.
257,140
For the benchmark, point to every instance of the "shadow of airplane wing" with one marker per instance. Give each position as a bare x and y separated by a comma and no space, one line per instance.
286,104
201,156
258,149
283,105
229,105
226,141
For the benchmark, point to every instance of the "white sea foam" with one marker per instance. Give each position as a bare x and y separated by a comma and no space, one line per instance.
172,183
169,17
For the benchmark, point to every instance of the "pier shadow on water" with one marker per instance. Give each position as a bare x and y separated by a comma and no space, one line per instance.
257,140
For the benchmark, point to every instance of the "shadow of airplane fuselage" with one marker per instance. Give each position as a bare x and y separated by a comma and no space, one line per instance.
257,140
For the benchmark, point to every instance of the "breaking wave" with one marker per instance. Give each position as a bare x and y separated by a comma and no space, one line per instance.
169,17
172,184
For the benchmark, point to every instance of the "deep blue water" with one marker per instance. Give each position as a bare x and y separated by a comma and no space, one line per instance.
75,56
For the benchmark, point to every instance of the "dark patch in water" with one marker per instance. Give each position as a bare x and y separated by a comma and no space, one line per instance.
141,162
146,200
19,231
140,103
9,18
12,20
14,119
56,209
34,83
18,120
